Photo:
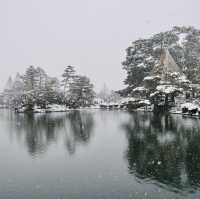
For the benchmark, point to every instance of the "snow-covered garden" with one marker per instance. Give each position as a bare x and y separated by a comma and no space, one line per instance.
37,92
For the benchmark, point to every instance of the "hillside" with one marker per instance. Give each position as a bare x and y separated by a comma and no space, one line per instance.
142,55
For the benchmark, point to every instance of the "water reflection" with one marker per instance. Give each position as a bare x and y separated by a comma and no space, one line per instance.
162,152
38,131
164,149
81,128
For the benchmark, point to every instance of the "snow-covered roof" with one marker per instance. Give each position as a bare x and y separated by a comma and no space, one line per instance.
189,106
147,102
137,101
139,89
149,58
141,65
128,99
164,82
154,93
151,77
195,86
167,89
183,79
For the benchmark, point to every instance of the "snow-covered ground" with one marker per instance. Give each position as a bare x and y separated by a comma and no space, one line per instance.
50,108
54,108
190,106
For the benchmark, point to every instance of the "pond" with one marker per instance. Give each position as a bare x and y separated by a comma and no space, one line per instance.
91,154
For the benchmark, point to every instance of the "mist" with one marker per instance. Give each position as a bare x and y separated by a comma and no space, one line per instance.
91,35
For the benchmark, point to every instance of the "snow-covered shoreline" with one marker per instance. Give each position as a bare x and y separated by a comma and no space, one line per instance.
53,109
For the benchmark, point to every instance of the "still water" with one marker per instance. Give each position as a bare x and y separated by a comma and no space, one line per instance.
99,154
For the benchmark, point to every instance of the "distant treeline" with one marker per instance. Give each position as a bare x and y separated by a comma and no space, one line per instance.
37,88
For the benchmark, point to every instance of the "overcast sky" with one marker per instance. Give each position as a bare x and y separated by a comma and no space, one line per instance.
91,35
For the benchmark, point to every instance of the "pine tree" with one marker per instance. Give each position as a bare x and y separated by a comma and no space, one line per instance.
42,77
141,57
67,76
81,92
30,79
51,90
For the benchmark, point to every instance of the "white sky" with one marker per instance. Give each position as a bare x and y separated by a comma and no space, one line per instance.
92,35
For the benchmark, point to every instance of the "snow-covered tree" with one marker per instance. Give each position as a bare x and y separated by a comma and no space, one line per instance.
67,76
36,89
51,91
81,92
143,55
30,79
42,77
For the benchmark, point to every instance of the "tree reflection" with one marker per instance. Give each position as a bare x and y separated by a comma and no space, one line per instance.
193,160
164,148
81,126
38,131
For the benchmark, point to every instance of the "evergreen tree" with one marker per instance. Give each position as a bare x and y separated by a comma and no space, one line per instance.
30,79
48,93
141,57
51,90
80,92
42,77
67,76
36,88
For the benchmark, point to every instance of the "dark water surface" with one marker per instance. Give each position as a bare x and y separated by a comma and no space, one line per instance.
99,154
